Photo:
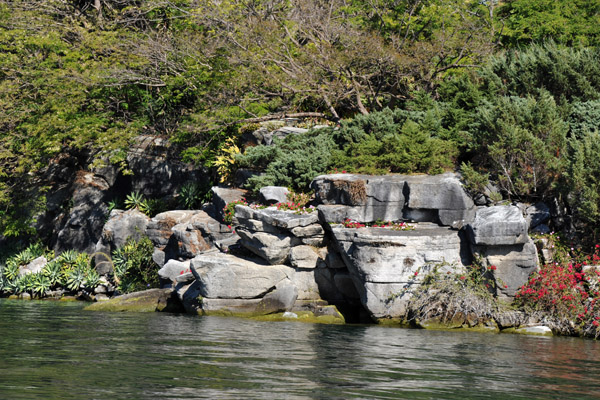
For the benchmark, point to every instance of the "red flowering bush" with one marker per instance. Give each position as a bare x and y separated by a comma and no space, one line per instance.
566,291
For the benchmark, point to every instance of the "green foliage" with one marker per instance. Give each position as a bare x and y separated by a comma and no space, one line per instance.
40,285
524,141
134,268
190,196
292,162
583,176
396,141
584,118
393,141
52,271
229,210
135,200
569,22
475,182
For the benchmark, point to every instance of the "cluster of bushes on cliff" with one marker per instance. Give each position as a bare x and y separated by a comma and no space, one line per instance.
86,77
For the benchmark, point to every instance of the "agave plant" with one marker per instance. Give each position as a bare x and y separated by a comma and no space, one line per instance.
23,284
67,257
24,257
134,200
190,195
40,284
75,279
52,271
11,270
92,279
120,262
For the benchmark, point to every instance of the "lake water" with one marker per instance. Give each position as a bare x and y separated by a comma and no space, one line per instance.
53,350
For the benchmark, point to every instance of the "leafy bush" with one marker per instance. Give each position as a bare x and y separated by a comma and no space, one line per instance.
134,268
292,162
381,142
522,143
583,177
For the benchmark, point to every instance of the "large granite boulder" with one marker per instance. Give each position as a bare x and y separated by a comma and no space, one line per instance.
368,198
387,265
33,267
225,276
174,269
120,226
512,265
223,196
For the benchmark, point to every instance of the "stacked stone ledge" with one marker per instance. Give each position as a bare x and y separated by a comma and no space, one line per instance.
386,266
307,261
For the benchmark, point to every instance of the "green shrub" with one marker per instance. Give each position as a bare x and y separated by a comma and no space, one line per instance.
396,141
583,177
134,268
522,143
292,162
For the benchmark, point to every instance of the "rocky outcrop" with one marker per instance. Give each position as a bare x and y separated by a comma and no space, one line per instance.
387,266
499,239
85,219
273,194
33,267
223,196
120,226
421,198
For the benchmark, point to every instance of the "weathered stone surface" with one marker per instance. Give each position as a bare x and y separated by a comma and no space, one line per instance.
537,214
281,299
393,197
305,282
223,196
120,226
514,264
499,225
33,267
159,228
173,269
385,255
439,192
303,257
257,226
228,277
156,173
281,219
274,248
189,241
273,194
84,223
308,231
147,301
385,264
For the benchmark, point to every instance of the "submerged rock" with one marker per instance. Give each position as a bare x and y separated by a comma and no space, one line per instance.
151,300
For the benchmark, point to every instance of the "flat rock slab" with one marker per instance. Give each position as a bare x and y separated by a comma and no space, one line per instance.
146,301
226,276
274,217
499,225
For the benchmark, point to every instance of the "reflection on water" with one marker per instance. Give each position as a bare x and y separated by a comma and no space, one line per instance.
58,351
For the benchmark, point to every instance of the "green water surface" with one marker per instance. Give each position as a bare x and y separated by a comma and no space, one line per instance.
53,350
